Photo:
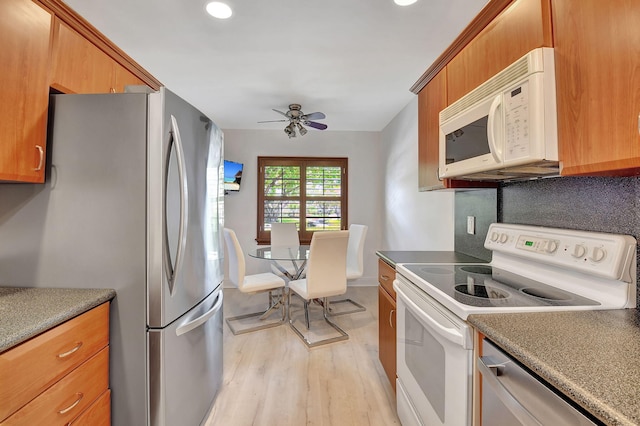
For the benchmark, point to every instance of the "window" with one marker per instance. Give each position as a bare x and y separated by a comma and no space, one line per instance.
310,192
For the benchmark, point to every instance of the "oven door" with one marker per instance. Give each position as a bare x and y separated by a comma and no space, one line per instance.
434,361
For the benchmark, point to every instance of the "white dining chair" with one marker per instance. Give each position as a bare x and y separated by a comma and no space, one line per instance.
284,235
326,276
355,267
256,283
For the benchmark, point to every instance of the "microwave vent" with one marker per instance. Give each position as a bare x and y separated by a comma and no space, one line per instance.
528,64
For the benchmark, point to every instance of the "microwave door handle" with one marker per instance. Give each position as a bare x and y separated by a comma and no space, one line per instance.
491,128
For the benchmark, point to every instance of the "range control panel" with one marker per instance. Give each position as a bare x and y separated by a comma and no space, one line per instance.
605,255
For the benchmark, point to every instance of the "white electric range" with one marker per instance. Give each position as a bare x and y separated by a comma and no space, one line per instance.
533,269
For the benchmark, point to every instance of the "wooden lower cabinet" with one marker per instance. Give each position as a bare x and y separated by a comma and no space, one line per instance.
387,320
387,334
54,377
98,414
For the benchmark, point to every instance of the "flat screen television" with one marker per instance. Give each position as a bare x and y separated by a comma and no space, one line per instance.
232,175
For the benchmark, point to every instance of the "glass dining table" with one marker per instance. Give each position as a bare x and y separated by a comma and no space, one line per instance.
297,255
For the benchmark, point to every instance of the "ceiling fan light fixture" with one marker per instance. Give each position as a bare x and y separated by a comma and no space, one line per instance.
302,130
404,2
219,10
290,131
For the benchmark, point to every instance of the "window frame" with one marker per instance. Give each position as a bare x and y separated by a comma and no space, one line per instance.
264,237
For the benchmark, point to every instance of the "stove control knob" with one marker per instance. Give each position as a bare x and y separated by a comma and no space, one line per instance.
598,254
504,238
551,246
494,236
579,251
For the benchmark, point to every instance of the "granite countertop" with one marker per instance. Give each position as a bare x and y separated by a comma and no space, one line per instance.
592,357
393,257
26,312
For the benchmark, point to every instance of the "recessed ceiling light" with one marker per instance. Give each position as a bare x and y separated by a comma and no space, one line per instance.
219,10
404,2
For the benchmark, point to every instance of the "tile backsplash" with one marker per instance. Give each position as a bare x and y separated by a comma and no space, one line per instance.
590,203
481,204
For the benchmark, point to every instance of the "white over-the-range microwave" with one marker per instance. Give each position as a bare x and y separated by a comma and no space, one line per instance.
506,128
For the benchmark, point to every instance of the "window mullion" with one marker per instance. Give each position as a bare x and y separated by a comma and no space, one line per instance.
303,197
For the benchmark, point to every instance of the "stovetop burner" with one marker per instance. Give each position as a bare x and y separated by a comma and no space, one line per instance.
481,291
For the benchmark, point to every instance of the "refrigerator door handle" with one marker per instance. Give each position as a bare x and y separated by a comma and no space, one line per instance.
173,270
196,322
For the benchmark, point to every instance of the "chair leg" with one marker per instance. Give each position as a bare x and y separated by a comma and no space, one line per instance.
358,307
342,334
274,303
306,313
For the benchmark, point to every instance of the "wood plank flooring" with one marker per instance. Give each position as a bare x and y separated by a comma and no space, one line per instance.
271,378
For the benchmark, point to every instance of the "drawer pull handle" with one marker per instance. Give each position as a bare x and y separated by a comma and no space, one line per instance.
72,406
390,317
384,277
66,354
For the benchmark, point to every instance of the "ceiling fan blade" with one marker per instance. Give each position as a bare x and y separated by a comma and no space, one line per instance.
280,112
315,125
314,116
272,121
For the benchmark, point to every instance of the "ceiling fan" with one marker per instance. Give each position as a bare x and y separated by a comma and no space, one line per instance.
297,118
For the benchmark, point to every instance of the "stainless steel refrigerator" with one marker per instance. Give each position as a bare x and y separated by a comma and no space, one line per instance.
133,200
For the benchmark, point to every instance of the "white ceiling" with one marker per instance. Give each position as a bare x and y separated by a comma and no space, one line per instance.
354,60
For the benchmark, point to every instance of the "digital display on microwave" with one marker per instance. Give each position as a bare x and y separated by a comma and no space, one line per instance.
516,92
468,141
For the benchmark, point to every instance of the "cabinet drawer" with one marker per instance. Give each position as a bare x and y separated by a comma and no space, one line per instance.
386,275
33,366
98,414
66,399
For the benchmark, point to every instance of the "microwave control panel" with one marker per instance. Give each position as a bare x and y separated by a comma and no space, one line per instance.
516,117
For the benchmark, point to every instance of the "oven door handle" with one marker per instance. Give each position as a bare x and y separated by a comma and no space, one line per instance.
443,331
506,397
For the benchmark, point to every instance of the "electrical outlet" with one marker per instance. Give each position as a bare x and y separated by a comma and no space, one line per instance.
471,225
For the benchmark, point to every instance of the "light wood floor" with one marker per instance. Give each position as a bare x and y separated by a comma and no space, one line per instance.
271,378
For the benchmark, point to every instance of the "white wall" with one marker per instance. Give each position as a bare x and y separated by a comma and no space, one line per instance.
363,151
410,220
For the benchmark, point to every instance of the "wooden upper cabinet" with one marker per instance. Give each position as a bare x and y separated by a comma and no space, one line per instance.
123,77
78,65
431,100
597,53
524,25
24,35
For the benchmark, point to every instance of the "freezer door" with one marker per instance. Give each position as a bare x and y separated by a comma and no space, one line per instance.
185,199
185,365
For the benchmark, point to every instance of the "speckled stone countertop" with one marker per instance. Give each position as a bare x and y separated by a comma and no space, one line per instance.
27,312
399,256
593,357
